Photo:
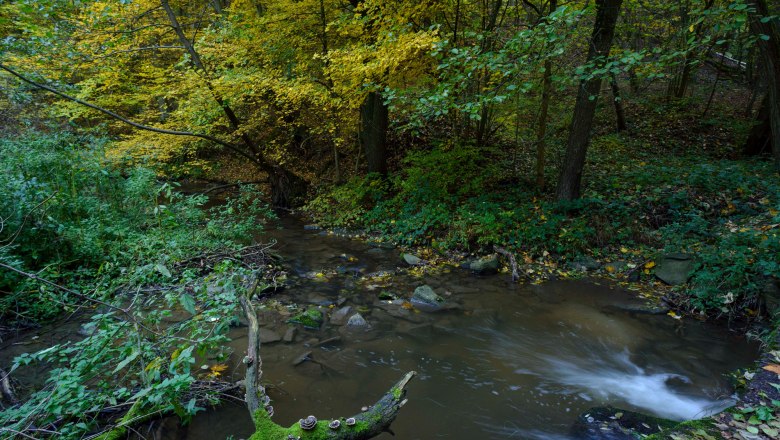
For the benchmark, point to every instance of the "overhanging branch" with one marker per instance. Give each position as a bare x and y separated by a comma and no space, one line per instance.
116,116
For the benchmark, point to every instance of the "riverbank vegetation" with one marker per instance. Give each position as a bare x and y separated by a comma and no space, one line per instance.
605,137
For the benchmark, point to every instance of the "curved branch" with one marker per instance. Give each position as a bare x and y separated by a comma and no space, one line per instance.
207,137
366,425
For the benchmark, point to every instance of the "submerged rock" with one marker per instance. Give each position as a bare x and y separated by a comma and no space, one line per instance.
674,269
289,335
268,336
340,316
357,322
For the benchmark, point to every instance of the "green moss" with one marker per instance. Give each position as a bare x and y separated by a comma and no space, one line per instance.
266,429
311,318
397,392
703,429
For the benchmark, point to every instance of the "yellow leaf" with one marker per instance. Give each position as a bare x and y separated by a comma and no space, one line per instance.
623,250
155,364
216,370
650,265
690,29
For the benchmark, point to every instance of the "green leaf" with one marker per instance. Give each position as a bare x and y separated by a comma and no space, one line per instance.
126,361
772,433
159,267
188,302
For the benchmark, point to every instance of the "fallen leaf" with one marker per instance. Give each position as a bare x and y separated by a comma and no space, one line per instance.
772,367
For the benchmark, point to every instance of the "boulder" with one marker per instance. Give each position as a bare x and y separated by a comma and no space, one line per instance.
311,318
425,299
357,322
268,336
674,269
583,264
289,335
412,260
425,293
485,265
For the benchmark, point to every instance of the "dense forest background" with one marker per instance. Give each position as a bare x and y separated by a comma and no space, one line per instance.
560,132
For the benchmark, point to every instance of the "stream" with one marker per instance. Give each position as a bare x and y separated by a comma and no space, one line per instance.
506,361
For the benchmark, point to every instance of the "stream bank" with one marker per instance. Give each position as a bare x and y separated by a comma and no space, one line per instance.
529,357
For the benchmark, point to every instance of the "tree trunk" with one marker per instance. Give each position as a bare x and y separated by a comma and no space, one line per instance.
679,86
617,101
769,47
373,133
759,140
607,12
541,131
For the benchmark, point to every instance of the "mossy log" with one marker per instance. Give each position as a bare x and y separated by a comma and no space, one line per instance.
367,424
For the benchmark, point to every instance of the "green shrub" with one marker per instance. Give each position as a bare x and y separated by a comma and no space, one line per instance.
69,217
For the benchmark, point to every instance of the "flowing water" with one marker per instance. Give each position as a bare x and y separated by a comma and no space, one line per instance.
508,361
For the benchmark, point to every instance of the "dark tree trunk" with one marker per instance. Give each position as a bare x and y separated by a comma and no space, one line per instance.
373,132
617,101
607,12
759,140
769,47
541,130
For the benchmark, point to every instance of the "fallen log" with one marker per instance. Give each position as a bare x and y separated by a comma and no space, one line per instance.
368,424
